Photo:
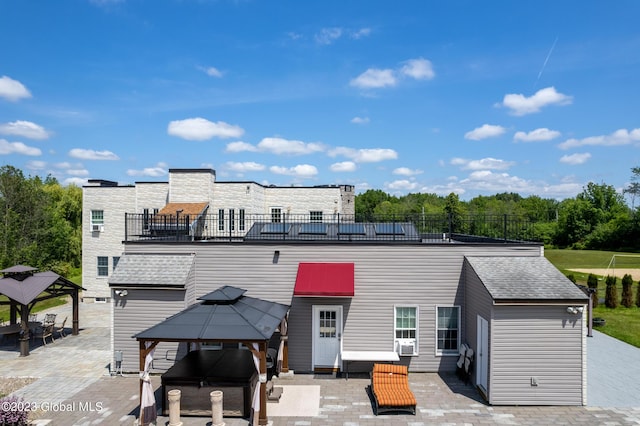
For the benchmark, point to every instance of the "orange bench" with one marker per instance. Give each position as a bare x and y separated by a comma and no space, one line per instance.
390,389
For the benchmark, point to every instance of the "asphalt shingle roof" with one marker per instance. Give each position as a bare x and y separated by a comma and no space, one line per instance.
524,278
152,269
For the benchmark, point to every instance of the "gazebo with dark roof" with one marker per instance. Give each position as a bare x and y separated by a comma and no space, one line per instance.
224,315
24,288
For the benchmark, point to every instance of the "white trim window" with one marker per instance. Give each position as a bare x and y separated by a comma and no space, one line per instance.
241,219
276,214
97,218
103,266
405,330
220,219
315,216
447,330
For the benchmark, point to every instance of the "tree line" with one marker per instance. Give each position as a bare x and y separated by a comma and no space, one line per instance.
598,218
41,220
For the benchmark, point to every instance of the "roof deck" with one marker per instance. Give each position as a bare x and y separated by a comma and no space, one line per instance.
408,229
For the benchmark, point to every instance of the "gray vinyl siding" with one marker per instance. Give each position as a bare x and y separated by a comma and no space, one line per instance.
477,302
385,275
543,342
139,310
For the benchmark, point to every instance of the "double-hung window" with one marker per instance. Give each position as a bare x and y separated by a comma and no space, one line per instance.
315,216
406,330
103,266
97,220
241,220
220,219
448,330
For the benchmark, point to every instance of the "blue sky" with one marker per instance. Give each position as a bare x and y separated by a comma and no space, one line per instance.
472,97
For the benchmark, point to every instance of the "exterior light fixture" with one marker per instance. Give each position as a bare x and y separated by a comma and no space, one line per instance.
122,293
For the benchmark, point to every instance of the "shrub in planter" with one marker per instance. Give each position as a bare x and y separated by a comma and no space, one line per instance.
627,296
13,412
611,295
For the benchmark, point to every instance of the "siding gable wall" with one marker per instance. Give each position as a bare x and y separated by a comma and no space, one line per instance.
385,275
540,342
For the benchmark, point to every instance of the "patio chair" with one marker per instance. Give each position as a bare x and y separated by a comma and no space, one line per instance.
60,328
33,317
43,332
272,362
49,319
390,389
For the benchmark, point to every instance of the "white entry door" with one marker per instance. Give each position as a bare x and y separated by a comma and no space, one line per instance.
482,356
327,336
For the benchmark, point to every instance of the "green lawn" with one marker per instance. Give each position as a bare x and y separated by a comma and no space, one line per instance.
621,323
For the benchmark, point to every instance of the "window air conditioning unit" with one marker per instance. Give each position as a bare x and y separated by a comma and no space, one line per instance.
406,347
97,228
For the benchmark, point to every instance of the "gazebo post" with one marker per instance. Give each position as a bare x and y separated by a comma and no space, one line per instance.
263,419
24,335
13,314
76,314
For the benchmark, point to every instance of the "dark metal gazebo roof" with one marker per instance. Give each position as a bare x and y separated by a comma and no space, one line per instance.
224,314
22,285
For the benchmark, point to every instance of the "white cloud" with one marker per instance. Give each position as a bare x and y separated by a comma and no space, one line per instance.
292,147
541,134
301,170
484,132
77,172
374,78
13,90
328,35
158,170
200,129
90,154
575,159
521,105
405,171
617,138
240,146
25,129
401,185
77,181
485,180
212,72
482,164
420,69
344,166
371,155
7,148
36,165
360,120
362,32
247,166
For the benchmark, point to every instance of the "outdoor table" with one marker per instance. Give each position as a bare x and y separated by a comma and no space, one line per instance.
9,330
201,372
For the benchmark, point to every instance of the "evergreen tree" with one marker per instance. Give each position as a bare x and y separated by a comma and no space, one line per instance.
611,296
627,296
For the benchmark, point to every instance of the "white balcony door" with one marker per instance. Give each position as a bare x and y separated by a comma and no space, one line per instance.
327,336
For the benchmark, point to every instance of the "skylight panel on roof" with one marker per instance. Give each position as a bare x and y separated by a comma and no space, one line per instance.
351,228
389,229
313,228
276,228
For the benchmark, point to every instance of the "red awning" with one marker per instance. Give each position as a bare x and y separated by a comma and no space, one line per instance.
324,279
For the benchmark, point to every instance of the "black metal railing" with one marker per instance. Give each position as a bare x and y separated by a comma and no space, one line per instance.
419,227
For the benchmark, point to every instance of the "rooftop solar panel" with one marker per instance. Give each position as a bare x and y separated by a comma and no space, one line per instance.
276,228
351,228
389,229
313,228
